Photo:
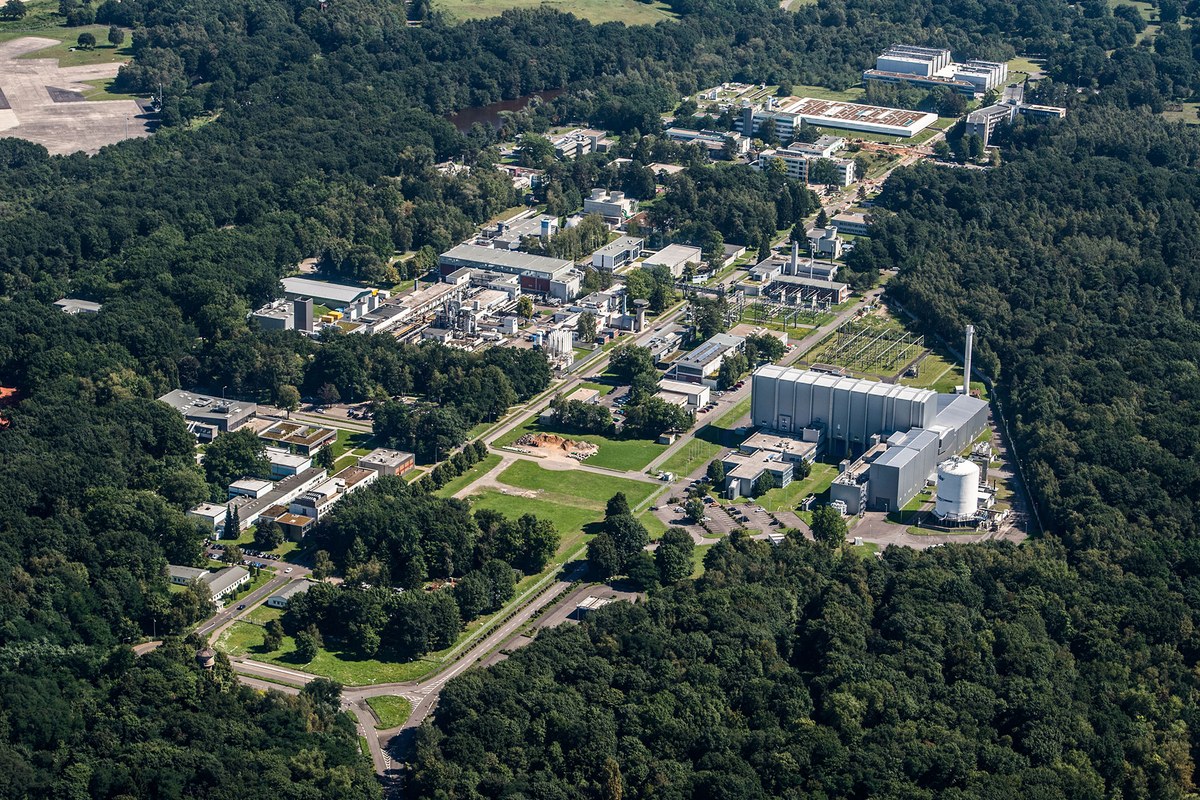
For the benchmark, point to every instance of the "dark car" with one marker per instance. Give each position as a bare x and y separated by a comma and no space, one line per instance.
242,606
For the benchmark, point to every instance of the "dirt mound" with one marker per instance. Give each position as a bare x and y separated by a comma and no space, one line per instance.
552,441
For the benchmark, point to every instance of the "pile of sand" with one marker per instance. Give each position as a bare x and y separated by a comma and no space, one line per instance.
552,441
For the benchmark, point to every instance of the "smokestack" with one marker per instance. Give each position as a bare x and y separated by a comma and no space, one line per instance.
795,258
967,360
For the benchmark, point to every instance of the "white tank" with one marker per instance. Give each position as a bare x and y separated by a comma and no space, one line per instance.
957,489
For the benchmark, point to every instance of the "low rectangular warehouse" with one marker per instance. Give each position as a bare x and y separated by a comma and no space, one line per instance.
540,275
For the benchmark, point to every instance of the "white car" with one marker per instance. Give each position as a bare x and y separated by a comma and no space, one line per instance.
288,570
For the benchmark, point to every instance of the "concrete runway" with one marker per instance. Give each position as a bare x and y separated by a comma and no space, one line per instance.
29,86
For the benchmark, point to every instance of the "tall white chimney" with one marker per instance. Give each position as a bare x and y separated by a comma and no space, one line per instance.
795,258
967,360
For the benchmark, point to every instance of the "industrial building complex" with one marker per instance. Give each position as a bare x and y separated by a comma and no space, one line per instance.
890,438
931,67
789,113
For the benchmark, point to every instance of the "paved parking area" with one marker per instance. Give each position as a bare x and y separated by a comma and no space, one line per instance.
45,103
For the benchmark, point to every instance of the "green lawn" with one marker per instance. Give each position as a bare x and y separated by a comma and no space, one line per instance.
392,711
789,496
574,485
852,95
474,473
1023,64
866,549
729,419
603,388
567,517
102,89
69,54
630,12
618,454
246,639
1190,114
654,526
351,440
693,455
264,614
938,373
698,559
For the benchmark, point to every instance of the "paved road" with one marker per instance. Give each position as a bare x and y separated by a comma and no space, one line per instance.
422,694
229,614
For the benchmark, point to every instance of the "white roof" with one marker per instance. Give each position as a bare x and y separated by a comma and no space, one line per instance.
674,254
207,510
324,290
282,457
679,387
187,573
251,485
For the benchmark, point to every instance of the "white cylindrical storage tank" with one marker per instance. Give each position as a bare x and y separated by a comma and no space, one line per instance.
957,489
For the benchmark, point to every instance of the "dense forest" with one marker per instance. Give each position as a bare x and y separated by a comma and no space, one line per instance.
297,129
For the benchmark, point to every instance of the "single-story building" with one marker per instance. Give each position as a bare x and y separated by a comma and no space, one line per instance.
280,599
220,583
675,257
306,439
208,415
211,514
285,463
388,462
71,305
249,487
695,395
333,295
705,360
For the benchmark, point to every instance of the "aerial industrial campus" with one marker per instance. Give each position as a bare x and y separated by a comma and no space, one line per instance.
787,392
600,399
858,414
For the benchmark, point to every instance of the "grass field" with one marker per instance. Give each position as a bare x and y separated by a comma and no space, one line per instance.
940,374
264,614
66,51
619,454
571,485
1190,114
392,711
566,517
729,419
785,499
630,12
245,638
698,559
464,480
690,457
102,89
852,95
654,526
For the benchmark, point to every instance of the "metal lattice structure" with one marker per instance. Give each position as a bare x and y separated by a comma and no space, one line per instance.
862,345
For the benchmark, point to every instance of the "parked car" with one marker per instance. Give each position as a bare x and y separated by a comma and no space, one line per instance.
288,570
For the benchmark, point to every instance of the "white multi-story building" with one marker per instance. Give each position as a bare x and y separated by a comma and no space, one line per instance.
789,113
798,162
932,67
613,206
